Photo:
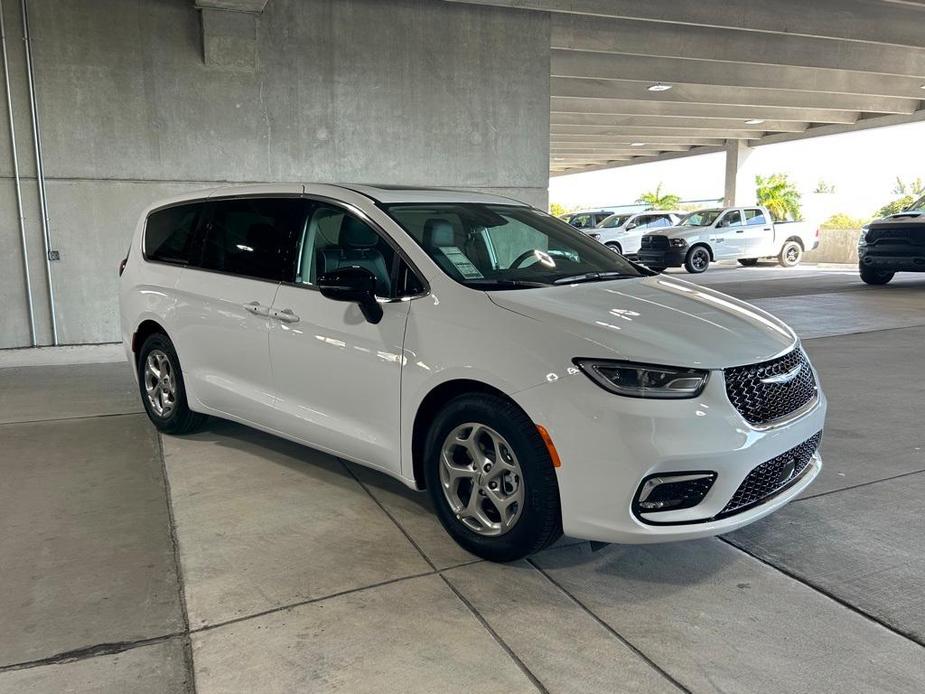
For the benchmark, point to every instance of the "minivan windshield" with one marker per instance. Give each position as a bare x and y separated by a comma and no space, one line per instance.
700,218
492,247
614,220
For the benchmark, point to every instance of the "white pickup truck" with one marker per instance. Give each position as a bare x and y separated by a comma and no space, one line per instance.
746,234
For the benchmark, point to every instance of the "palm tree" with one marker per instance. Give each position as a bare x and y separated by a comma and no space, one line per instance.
914,188
657,201
778,193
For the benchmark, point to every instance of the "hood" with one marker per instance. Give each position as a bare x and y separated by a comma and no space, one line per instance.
656,320
916,217
677,232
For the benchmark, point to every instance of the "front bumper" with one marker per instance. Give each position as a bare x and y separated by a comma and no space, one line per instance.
893,263
608,444
673,257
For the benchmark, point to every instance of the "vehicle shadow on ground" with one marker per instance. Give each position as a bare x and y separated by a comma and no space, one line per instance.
658,564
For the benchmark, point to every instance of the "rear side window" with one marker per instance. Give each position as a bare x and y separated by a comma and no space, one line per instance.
253,237
731,219
169,233
754,217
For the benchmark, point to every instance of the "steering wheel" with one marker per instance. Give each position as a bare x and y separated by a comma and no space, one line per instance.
555,253
521,258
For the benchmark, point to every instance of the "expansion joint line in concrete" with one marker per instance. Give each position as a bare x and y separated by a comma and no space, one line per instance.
609,629
822,591
178,568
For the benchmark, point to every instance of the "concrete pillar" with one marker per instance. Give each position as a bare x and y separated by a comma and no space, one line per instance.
740,184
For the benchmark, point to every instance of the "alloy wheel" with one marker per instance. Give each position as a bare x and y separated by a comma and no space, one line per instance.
699,259
481,479
160,383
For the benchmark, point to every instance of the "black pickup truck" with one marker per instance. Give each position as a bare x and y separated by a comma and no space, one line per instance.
893,244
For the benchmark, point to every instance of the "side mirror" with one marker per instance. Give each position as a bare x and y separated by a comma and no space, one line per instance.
631,225
355,285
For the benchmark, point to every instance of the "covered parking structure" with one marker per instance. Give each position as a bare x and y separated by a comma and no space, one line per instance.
113,104
633,81
230,560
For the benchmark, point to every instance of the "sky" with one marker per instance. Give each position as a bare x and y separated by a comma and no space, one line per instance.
862,166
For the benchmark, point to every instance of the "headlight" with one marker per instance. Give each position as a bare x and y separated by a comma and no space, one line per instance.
678,243
594,236
644,380
862,239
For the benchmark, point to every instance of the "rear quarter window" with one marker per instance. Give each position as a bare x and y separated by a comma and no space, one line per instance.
169,233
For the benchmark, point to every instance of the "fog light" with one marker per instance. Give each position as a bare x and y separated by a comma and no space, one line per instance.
673,491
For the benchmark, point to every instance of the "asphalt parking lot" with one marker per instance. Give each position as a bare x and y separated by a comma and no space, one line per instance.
230,560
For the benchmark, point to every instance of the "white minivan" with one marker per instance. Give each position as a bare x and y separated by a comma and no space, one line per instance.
530,379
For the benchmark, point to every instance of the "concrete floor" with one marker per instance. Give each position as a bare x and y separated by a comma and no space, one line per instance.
233,561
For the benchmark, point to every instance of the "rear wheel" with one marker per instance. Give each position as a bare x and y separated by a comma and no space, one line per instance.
698,260
872,276
614,246
491,478
163,393
790,254
748,262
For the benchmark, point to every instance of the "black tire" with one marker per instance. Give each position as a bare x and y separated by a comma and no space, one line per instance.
872,276
614,246
180,419
697,260
748,262
540,520
790,255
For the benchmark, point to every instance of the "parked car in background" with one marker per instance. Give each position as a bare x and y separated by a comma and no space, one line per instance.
531,380
893,244
746,234
623,231
587,219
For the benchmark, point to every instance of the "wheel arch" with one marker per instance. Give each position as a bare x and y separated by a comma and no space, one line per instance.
145,329
428,408
797,239
705,245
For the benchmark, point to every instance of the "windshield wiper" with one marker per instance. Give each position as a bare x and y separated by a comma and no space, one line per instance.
504,284
592,277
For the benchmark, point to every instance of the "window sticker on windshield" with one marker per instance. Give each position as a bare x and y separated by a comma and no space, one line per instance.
461,263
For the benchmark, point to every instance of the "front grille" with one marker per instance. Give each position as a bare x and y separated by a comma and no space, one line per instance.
759,399
655,243
896,235
771,477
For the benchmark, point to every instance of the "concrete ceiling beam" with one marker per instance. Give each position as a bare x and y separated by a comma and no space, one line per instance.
679,70
578,87
578,139
633,37
873,21
645,133
680,122
626,107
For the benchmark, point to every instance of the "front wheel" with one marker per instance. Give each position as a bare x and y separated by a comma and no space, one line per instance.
698,260
491,478
790,254
163,392
614,246
872,276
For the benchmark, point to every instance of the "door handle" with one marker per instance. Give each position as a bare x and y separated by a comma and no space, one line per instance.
255,308
740,231
767,229
285,315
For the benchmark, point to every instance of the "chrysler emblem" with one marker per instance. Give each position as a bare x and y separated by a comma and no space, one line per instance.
780,379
